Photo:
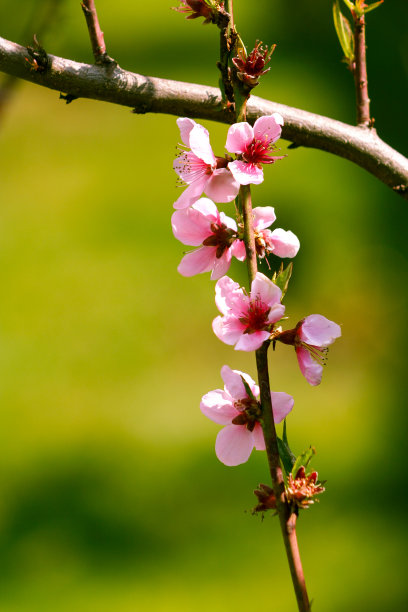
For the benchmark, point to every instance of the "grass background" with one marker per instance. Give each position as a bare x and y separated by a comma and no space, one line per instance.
112,498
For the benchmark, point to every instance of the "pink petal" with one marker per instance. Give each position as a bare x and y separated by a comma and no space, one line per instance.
230,297
268,127
276,313
197,262
207,208
268,292
227,329
258,437
192,193
199,141
222,187
285,243
282,404
252,342
233,383
239,136
218,406
234,444
189,167
245,173
238,249
221,265
228,221
319,331
191,226
310,369
264,216
185,125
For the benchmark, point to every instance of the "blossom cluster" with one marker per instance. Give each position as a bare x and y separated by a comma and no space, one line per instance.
247,319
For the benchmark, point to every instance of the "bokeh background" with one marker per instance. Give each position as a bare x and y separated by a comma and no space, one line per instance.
111,497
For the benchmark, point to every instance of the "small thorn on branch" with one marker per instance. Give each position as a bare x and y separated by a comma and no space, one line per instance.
68,98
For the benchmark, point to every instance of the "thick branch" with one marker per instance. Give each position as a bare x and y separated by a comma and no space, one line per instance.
149,94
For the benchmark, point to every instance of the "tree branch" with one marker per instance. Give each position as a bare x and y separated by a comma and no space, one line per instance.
360,145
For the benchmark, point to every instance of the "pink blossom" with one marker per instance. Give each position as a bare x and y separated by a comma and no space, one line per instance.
202,225
311,338
240,414
279,242
200,169
247,320
253,144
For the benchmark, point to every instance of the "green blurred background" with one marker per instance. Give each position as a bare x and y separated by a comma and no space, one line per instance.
111,497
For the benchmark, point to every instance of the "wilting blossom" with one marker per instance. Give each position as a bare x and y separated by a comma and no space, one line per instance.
254,146
300,491
279,242
251,67
200,8
216,234
239,412
200,169
311,338
247,320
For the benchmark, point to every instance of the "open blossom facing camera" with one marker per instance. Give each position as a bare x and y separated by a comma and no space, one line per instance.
200,169
247,320
240,414
279,242
254,146
311,338
215,233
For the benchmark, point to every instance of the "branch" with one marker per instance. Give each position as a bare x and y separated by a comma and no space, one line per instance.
95,33
150,94
360,72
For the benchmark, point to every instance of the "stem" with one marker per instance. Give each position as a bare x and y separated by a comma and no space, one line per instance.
286,518
225,49
95,33
360,73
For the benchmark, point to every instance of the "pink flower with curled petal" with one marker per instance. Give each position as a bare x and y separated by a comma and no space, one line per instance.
202,225
311,338
254,146
200,169
279,242
247,320
240,413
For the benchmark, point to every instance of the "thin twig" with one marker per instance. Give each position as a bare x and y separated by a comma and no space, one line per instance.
95,33
360,72
151,94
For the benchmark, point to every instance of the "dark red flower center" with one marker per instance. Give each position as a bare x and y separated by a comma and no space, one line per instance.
258,152
222,238
249,413
256,316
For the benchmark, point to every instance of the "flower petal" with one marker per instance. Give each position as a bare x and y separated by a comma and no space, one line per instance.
282,404
264,216
191,226
192,193
185,125
268,127
233,383
252,342
189,167
238,250
285,243
199,261
246,174
263,287
221,265
276,313
222,187
319,331
240,135
227,329
230,223
234,444
258,437
229,296
218,406
310,369
199,141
